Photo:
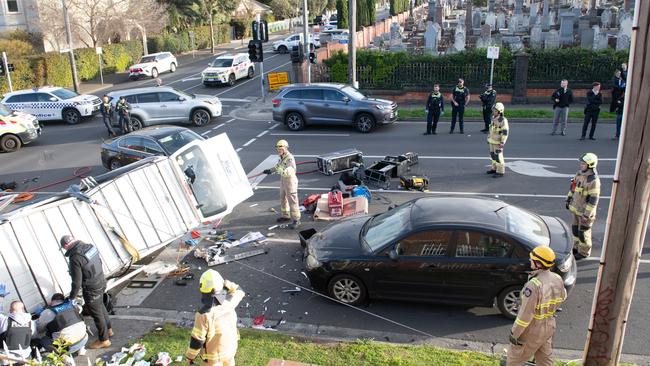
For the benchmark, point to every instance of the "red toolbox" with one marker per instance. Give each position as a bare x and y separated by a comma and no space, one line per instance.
335,203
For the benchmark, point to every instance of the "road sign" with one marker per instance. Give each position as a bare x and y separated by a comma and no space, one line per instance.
98,50
493,53
277,79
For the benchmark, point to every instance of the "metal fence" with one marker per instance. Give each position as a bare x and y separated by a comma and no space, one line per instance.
597,70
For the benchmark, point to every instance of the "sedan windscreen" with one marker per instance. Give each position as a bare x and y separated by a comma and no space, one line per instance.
172,143
523,223
222,62
387,227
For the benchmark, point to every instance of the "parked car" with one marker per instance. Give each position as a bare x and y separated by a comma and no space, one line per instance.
153,64
17,129
323,103
334,35
227,69
164,104
53,103
149,141
285,45
453,250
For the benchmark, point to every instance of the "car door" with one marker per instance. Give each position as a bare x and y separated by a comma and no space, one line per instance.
311,100
414,272
333,108
172,108
150,105
20,103
152,147
131,150
49,105
240,67
483,263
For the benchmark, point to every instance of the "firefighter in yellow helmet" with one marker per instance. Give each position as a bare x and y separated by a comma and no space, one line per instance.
286,168
582,201
497,139
533,330
215,323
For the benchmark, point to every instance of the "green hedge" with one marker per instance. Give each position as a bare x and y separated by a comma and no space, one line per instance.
181,42
398,6
397,70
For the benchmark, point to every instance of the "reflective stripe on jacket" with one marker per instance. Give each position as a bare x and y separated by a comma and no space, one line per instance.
584,200
286,167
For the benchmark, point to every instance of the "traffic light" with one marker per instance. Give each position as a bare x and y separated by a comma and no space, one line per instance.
2,69
312,57
297,53
255,52
255,26
10,67
260,30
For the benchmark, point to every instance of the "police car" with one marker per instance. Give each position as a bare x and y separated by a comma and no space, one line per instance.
53,103
17,129
227,69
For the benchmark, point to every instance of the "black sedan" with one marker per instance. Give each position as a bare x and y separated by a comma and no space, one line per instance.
157,140
453,250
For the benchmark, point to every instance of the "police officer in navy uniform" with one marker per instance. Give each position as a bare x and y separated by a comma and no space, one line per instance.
16,330
459,99
488,98
435,108
123,108
107,115
87,275
61,320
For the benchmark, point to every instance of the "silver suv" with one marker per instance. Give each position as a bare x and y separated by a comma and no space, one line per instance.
156,105
323,103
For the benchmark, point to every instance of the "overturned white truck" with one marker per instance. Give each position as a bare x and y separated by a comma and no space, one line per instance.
128,214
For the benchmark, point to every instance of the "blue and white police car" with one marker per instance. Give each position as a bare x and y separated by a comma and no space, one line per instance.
53,103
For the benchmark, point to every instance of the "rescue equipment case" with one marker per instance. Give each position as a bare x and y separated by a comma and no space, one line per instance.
339,161
414,182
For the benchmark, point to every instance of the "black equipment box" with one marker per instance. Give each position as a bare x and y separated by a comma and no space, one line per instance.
339,161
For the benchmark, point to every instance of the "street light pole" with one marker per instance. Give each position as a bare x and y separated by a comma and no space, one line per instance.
352,44
68,35
307,45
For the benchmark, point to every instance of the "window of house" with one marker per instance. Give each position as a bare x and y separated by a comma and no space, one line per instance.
12,6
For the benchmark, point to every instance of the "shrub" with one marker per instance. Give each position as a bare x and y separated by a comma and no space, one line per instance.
16,48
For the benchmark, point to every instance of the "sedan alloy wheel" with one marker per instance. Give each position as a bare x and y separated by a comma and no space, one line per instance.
347,289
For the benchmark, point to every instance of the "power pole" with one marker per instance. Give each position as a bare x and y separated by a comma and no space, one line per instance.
352,44
629,210
68,35
307,44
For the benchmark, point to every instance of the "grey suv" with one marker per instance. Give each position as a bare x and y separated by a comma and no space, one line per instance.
323,103
164,104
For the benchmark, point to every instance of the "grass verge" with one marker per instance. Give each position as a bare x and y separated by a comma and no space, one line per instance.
418,113
256,348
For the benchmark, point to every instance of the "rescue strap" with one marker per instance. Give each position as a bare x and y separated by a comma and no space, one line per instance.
135,255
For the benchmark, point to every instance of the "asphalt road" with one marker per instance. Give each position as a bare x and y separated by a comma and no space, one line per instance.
455,164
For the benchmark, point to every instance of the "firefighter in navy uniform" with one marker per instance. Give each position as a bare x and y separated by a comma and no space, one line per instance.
488,98
582,201
497,139
533,330
61,320
87,275
435,108
215,323
459,99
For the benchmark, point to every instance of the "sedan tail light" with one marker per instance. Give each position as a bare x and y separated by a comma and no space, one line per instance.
276,103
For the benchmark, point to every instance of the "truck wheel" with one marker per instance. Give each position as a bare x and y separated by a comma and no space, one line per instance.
71,116
10,143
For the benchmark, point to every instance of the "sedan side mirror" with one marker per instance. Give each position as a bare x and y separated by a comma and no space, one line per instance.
346,99
181,99
393,254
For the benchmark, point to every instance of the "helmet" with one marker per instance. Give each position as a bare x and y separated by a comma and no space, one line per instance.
66,240
282,143
499,107
543,255
590,159
211,281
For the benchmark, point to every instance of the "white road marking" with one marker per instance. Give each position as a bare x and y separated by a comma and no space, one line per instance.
214,128
448,193
539,170
249,80
313,134
206,132
234,100
249,142
597,259
265,164
274,126
190,79
238,149
230,120
262,133
473,158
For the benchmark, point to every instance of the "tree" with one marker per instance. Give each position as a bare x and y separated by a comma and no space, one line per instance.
331,5
372,12
87,17
362,14
342,13
209,8
284,9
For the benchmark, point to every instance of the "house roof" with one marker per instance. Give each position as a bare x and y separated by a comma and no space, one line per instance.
251,6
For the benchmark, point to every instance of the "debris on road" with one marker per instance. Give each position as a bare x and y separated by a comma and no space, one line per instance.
160,268
291,290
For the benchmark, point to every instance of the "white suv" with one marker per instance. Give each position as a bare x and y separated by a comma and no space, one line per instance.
153,64
164,104
227,69
286,45
53,103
